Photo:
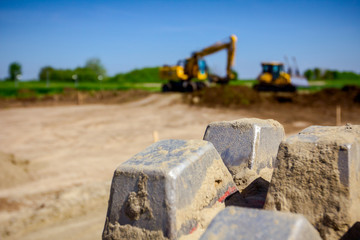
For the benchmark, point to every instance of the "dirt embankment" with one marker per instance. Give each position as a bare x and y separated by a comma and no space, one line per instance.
71,97
218,96
294,111
241,96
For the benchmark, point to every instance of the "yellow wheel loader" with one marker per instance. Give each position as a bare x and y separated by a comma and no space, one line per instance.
180,77
274,78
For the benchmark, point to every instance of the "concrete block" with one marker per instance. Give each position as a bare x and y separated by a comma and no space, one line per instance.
247,143
253,224
318,175
253,196
352,233
162,191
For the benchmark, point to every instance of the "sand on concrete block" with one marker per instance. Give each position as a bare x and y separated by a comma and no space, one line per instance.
117,231
248,147
318,175
172,187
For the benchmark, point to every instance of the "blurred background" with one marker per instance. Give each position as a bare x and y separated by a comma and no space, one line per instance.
82,90
127,35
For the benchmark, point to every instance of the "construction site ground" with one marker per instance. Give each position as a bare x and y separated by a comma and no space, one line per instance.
57,155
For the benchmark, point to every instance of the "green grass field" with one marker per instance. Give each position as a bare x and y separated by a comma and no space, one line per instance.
321,84
314,85
38,89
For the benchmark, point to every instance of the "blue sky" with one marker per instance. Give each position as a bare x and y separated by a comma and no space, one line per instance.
135,34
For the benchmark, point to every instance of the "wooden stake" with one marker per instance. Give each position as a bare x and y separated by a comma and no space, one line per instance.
155,136
78,97
338,115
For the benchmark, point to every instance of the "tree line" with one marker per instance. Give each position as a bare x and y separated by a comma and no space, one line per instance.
92,71
326,74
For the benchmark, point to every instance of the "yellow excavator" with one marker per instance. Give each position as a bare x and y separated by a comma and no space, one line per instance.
274,78
180,77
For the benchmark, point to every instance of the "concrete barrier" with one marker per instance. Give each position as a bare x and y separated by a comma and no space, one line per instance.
318,175
247,146
253,224
162,191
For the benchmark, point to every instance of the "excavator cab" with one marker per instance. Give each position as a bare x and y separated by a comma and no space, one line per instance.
185,70
202,69
273,69
273,72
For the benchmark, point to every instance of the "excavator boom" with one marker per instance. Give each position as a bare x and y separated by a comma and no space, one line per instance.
229,46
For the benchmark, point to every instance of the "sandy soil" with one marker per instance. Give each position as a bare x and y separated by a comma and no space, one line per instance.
62,158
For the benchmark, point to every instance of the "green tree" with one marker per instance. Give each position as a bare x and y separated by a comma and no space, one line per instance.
348,75
14,70
46,72
86,74
309,74
95,65
336,74
236,74
317,73
329,75
65,75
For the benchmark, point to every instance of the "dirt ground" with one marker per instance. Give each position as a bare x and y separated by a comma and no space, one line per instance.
56,162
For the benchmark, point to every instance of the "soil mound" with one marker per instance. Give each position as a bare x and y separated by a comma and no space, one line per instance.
345,97
235,96
225,96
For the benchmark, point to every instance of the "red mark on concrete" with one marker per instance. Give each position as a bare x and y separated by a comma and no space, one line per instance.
230,190
193,229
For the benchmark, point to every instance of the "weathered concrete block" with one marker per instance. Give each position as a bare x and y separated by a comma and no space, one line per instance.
252,224
253,196
162,191
318,175
352,233
247,143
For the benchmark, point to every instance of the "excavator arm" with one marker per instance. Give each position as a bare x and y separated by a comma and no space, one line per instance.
229,46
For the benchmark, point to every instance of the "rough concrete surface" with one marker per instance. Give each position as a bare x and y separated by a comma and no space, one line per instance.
318,175
253,224
247,146
164,189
